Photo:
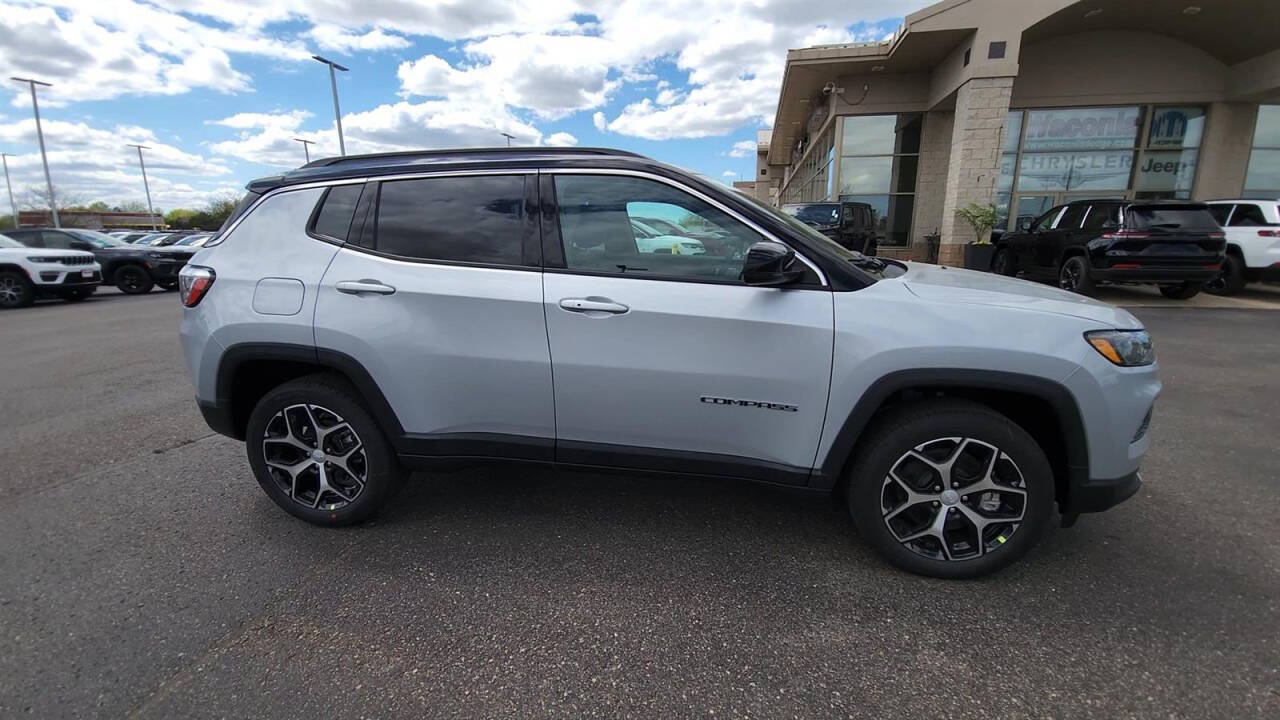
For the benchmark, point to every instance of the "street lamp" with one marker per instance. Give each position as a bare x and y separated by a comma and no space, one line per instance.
4,158
146,188
305,148
333,82
35,107
508,136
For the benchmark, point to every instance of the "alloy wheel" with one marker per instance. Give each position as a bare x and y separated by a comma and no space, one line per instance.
131,280
953,499
1069,278
315,457
11,291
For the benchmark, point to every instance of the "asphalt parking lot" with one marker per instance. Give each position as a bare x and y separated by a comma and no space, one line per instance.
145,575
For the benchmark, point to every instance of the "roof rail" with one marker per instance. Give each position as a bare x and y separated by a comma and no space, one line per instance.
410,154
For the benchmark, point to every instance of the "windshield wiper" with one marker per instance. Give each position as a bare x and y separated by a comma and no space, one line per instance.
866,262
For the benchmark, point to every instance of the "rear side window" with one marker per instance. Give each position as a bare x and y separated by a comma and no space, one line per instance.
1171,218
475,219
1070,219
336,209
1248,215
1220,213
240,208
1099,217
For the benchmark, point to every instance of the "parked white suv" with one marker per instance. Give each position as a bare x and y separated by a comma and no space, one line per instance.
28,273
365,315
1253,243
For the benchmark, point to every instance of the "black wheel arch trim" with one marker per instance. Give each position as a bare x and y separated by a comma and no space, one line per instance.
829,473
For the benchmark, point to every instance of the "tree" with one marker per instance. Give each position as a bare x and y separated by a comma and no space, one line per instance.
136,206
37,198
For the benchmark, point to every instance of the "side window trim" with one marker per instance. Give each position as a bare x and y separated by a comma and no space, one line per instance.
553,239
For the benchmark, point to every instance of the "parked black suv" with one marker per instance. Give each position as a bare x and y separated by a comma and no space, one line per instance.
851,224
135,269
1175,245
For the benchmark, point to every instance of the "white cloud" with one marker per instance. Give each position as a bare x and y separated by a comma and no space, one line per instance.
334,37
597,119
247,120
729,173
743,148
561,139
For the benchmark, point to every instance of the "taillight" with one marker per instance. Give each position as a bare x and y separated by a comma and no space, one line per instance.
1269,233
1125,235
1216,235
194,282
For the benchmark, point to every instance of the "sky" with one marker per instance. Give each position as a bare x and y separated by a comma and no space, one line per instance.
219,89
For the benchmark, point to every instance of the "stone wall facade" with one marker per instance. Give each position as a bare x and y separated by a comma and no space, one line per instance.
973,166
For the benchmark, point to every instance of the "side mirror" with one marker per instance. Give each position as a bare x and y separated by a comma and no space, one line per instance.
770,264
1024,224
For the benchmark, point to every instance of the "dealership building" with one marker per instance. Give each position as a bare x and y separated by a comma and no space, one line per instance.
1027,104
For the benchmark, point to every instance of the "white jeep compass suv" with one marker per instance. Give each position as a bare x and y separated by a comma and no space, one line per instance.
364,316
28,273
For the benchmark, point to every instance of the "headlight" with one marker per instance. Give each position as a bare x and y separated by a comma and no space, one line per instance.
1129,348
43,259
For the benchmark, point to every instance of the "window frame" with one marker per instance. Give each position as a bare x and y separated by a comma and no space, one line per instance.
553,243
530,246
324,198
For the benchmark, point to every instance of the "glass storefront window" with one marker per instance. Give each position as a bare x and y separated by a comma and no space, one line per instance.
1012,132
1263,176
1176,127
879,160
890,216
1063,172
1083,128
1170,172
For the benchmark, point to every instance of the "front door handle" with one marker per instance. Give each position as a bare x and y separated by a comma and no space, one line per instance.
355,287
591,305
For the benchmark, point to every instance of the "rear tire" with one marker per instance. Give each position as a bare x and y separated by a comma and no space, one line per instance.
1181,291
133,280
1230,280
355,471
981,468
1074,276
15,290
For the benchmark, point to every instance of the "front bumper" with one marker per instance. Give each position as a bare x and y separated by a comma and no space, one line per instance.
1097,495
58,278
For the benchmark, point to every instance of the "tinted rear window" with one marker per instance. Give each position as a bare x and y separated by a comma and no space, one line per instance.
1170,218
334,218
460,219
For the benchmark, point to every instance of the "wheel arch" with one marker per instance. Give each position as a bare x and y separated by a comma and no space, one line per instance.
248,371
6,267
1044,408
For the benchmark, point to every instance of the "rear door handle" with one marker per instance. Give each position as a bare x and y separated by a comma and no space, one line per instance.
355,287
593,305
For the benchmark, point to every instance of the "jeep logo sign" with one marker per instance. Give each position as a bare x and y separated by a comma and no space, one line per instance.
749,403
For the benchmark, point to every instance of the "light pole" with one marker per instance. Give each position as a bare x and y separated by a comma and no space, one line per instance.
508,136
4,158
305,148
35,107
145,187
337,114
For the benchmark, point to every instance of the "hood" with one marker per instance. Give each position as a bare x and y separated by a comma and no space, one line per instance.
953,285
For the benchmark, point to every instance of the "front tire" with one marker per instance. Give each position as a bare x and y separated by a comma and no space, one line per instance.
15,290
950,489
1181,291
319,454
1230,279
1074,276
134,280
1004,263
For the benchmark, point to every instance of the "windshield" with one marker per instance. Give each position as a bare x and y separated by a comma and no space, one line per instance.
98,239
8,242
190,239
823,213
875,267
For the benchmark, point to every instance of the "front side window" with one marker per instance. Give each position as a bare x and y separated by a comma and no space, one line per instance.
601,222
58,240
1045,221
474,219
